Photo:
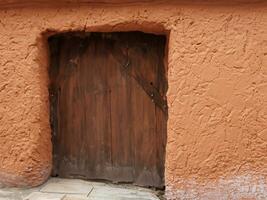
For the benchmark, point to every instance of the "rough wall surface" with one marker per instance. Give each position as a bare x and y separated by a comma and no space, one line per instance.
217,97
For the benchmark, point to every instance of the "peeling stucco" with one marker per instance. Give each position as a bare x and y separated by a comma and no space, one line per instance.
217,96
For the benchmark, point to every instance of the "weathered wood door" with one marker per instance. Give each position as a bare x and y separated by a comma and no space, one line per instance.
108,106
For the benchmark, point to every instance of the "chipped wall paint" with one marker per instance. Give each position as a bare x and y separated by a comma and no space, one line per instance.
217,74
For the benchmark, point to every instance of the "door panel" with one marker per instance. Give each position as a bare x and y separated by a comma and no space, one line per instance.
108,106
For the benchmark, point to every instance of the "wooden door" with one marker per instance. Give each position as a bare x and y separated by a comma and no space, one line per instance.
108,106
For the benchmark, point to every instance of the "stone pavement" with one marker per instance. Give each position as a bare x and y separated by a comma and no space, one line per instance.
74,189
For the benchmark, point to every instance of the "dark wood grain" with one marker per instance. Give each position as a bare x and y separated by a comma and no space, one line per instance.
108,106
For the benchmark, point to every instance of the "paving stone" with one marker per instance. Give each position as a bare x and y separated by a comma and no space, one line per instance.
44,196
71,189
14,193
75,197
120,193
118,198
68,186
4,193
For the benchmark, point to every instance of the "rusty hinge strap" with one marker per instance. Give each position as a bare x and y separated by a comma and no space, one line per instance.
150,90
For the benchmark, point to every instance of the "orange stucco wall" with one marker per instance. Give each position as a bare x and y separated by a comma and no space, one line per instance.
217,97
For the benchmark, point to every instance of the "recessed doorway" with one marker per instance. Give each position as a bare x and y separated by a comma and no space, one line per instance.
108,108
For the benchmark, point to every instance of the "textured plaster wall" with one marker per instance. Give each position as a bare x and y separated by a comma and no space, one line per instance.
217,97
